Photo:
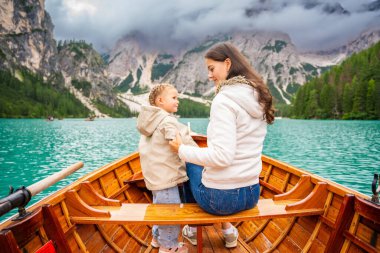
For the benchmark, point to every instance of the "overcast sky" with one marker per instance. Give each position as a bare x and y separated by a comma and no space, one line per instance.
173,23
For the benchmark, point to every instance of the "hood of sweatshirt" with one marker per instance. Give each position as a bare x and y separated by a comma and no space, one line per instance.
149,119
245,96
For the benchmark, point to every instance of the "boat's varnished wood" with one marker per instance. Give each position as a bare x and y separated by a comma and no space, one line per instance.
189,213
36,230
299,191
88,194
76,206
312,242
53,230
364,228
8,242
259,229
316,199
361,243
346,213
308,233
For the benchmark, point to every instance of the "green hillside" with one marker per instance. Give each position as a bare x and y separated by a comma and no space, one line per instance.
190,109
348,91
26,95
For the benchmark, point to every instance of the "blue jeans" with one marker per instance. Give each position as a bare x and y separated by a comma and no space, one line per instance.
167,236
217,201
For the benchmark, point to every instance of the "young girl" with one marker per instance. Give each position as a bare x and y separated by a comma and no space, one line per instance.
163,170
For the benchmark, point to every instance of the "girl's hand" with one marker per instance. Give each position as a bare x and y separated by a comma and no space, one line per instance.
174,144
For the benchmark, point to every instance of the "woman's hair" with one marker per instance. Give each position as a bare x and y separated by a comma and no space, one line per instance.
157,90
241,67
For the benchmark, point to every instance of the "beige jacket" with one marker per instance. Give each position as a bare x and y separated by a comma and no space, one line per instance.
161,167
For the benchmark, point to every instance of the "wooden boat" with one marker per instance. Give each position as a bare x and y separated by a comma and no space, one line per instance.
108,210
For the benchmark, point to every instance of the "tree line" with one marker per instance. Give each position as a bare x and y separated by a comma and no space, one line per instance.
190,109
26,95
350,90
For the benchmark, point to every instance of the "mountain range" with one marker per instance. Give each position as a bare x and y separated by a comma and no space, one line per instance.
129,69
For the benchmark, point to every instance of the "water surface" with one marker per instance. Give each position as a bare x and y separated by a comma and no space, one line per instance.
346,152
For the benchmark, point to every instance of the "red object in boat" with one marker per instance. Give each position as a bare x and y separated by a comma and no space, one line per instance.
47,248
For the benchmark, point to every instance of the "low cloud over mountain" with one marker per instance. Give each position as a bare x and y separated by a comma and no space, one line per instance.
170,25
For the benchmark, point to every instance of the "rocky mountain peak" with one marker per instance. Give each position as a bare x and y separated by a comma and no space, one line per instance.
26,37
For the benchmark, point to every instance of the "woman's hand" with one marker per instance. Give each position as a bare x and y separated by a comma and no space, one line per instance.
174,144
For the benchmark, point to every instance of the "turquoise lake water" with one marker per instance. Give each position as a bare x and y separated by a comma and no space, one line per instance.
347,152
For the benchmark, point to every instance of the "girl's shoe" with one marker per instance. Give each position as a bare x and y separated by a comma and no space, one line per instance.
189,235
154,242
231,239
181,248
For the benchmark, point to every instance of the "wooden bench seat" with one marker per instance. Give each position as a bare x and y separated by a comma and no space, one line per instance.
88,207
149,214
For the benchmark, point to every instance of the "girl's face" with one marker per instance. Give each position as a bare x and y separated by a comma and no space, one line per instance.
218,70
168,100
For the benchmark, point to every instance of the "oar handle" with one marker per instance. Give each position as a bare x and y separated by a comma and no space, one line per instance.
50,180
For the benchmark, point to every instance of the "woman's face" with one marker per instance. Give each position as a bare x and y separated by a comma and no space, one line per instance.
218,70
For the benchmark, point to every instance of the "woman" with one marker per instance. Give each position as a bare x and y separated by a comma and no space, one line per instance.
240,112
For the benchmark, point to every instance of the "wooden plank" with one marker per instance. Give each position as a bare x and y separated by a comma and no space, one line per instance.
270,187
262,243
286,181
268,172
316,198
109,240
110,184
24,230
288,245
359,242
275,182
54,231
89,195
188,213
216,240
367,209
332,186
8,242
352,230
303,188
257,231
365,233
135,164
279,173
282,236
299,235
343,219
33,245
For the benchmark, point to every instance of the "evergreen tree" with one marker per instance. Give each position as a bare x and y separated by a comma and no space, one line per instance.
347,100
312,109
327,101
360,95
370,106
348,91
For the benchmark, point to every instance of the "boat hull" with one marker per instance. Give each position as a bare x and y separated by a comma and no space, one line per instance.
340,228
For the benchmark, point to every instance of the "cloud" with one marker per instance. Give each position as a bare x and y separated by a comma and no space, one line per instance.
175,23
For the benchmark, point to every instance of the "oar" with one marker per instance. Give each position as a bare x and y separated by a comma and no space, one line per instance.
21,197
37,187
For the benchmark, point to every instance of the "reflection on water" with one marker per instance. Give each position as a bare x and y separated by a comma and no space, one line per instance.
343,151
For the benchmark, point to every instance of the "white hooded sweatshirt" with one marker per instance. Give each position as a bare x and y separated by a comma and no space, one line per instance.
235,137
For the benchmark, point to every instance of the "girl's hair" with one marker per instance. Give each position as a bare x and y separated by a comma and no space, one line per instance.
157,90
241,67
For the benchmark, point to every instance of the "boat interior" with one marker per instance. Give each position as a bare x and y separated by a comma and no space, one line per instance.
110,210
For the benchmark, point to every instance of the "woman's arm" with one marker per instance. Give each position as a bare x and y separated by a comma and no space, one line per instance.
221,138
